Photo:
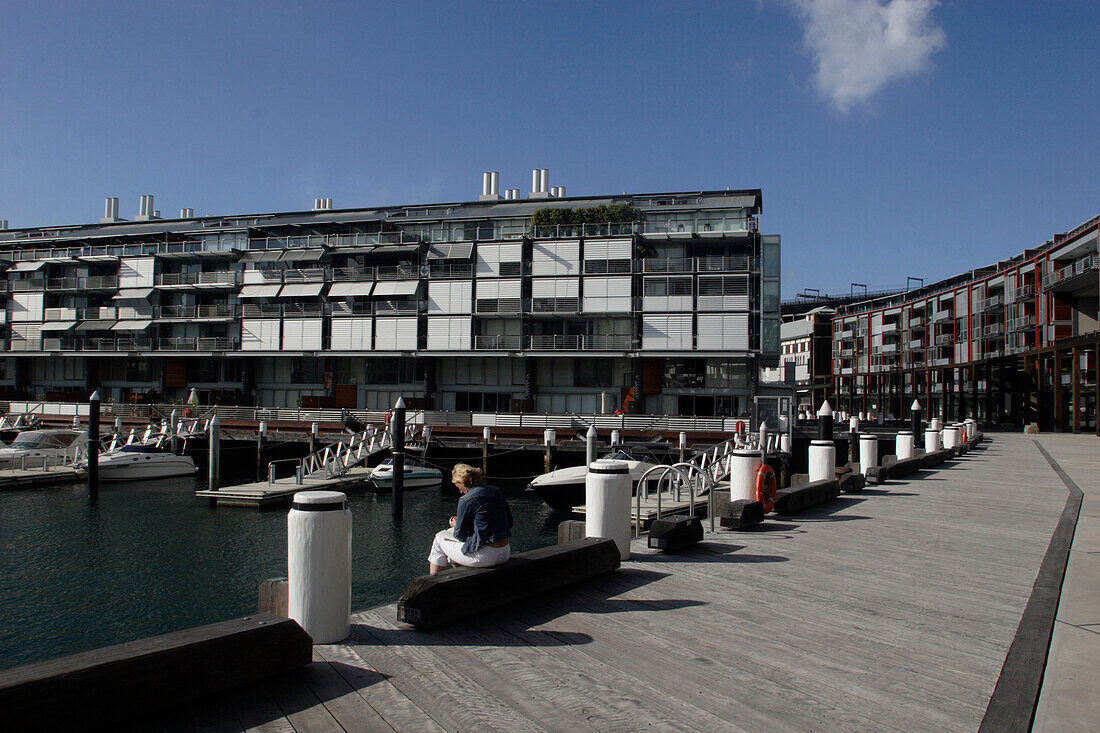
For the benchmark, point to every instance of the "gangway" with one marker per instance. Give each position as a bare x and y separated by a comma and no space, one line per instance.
336,459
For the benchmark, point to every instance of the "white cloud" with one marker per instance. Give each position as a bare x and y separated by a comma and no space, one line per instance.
859,46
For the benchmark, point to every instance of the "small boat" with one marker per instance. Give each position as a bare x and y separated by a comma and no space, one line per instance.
139,461
36,447
416,475
563,489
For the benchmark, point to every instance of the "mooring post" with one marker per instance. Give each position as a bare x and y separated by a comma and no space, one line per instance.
614,438
397,438
549,436
173,431
314,430
260,451
486,435
607,503
683,445
825,421
590,446
93,446
214,454
319,564
914,418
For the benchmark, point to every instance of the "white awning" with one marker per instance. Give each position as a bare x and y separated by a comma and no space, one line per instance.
53,326
302,290
132,293
95,326
395,287
344,289
301,255
131,325
259,291
261,255
28,266
450,251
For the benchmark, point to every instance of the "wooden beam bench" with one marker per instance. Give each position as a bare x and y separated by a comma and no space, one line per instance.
104,686
804,496
431,600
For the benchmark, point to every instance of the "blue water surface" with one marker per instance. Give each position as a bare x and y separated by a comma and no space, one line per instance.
150,558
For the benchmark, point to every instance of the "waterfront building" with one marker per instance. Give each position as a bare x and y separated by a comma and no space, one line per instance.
648,303
805,363
1015,342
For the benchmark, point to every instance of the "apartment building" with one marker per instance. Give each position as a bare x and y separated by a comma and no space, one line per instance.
1015,342
661,303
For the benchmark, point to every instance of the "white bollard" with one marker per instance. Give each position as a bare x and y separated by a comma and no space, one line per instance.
903,445
743,467
950,436
549,436
822,460
319,564
931,440
785,442
936,424
607,503
853,425
614,437
862,416
590,445
868,453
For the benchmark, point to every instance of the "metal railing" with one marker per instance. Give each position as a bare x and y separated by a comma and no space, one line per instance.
223,279
1072,270
498,343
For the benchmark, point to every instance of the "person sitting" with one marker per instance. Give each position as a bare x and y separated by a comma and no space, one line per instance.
479,532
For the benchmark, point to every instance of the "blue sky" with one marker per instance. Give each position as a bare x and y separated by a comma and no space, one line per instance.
910,138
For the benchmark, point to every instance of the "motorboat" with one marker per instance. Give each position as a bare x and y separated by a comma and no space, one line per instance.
417,475
38,447
563,489
140,461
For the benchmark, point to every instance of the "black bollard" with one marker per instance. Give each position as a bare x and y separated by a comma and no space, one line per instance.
93,446
261,472
914,419
825,421
397,425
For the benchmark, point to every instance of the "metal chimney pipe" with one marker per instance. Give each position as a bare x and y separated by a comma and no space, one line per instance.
494,184
544,180
561,191
149,206
535,178
187,213
3,223
486,183
143,204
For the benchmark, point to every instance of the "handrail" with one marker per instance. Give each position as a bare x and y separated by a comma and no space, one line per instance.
666,471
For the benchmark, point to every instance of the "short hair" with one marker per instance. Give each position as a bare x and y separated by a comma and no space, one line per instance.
466,475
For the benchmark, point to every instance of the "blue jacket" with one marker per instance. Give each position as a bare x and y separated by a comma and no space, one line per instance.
483,518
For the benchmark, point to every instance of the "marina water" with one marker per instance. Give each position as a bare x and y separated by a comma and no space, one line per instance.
149,558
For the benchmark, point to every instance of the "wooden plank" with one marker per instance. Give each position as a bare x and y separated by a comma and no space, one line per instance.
341,701
300,706
257,711
376,690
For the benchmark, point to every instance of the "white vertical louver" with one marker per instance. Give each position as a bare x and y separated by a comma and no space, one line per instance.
666,332
260,335
351,334
450,297
555,258
395,334
607,294
726,331
136,272
449,334
302,334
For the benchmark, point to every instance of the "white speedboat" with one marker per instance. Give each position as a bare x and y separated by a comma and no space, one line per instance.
34,447
143,462
563,489
416,475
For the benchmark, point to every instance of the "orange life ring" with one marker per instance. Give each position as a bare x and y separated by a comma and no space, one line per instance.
765,487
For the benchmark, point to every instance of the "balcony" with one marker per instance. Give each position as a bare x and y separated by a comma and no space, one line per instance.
445,272
1023,323
887,349
945,339
353,274
498,305
942,316
740,263
916,323
1072,271
608,342
889,328
697,227
668,264
211,280
572,231
397,272
1022,292
993,301
396,307
266,310
25,284
344,309
196,344
296,310
497,343
993,330
308,275
555,305
555,343
60,314
607,267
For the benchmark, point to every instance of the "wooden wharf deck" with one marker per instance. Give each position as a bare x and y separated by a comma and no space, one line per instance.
889,610
35,478
668,506
261,494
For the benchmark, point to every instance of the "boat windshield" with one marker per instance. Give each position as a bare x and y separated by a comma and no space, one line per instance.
35,441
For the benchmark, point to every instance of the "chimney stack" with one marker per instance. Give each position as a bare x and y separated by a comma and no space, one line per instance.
110,210
3,224
490,186
187,213
145,208
540,183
